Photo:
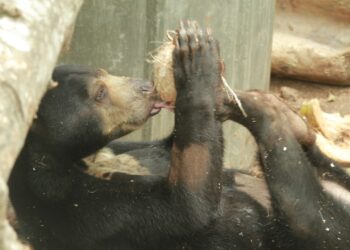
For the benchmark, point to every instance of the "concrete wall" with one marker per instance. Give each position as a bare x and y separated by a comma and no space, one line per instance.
119,34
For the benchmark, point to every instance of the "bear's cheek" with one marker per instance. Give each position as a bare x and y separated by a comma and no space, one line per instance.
132,106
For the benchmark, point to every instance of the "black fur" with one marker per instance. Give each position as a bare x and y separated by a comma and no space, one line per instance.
189,206
304,215
59,206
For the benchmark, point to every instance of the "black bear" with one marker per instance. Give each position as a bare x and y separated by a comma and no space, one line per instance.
60,206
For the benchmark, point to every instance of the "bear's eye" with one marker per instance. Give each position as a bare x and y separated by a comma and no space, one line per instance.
101,93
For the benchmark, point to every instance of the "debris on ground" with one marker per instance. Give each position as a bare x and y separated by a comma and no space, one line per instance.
332,131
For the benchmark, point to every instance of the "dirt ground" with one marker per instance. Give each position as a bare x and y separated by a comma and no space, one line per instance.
333,99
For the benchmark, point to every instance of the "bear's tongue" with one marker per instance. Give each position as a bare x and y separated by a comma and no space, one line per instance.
158,106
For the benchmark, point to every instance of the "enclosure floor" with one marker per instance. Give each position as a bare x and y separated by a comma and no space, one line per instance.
333,99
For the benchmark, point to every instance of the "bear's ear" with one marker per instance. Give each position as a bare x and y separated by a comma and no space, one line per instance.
61,72
52,85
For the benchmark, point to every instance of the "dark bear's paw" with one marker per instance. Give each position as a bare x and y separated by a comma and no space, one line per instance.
267,111
196,60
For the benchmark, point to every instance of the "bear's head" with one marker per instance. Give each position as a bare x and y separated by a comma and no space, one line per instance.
88,108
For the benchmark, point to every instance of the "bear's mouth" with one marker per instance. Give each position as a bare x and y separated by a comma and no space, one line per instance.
159,105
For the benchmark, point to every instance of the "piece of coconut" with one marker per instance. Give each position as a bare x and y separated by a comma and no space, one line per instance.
163,76
332,131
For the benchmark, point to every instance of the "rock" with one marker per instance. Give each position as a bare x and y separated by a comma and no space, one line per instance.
312,40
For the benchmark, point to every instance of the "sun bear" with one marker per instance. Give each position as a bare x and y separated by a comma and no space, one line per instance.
60,206
172,193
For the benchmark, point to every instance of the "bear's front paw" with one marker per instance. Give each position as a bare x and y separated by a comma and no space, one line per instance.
196,60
